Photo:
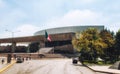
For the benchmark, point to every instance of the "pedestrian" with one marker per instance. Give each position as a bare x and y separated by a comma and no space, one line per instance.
119,66
15,56
23,59
29,58
2,61
26,58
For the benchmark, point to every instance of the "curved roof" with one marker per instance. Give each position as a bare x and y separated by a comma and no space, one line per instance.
70,29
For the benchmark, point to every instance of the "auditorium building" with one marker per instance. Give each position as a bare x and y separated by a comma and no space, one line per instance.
61,37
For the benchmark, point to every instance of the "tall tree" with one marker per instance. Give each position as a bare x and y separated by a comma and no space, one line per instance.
89,42
117,43
33,47
108,39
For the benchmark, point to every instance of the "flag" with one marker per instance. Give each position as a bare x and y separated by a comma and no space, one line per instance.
47,36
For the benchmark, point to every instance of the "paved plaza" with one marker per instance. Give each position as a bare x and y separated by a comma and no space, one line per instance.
49,66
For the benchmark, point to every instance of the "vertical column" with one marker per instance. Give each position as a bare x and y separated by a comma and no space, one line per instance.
42,44
13,47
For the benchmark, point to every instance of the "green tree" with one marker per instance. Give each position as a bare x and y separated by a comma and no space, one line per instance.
33,47
108,39
117,44
89,43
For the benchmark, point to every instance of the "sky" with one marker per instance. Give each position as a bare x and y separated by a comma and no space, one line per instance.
25,17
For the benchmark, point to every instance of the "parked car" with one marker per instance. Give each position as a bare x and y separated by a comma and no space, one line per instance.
75,60
19,60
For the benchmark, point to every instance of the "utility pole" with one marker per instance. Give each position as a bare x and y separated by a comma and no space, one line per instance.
12,40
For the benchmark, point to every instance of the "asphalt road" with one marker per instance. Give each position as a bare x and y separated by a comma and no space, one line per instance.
48,66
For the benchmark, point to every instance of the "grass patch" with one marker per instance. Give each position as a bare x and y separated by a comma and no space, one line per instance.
96,63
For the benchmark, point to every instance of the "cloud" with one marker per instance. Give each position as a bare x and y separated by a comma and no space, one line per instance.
12,18
26,30
87,1
20,31
43,10
83,17
78,17
71,18
55,13
114,27
2,4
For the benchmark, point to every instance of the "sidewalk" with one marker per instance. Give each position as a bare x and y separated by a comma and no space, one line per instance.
2,65
5,66
104,69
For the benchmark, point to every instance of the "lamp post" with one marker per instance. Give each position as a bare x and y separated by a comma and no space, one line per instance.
9,56
12,40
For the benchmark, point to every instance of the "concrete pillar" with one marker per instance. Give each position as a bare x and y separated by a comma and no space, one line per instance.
42,44
13,47
9,56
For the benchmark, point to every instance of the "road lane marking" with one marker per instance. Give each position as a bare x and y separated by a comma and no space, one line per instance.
8,66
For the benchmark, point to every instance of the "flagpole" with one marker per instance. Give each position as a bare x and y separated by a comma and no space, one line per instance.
47,40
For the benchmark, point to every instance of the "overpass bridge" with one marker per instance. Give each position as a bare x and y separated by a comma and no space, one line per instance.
54,37
61,41
57,39
22,39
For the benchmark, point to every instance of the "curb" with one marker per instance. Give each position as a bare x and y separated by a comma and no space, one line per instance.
101,71
6,67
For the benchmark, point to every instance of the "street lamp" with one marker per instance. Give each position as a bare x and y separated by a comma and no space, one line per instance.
13,43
